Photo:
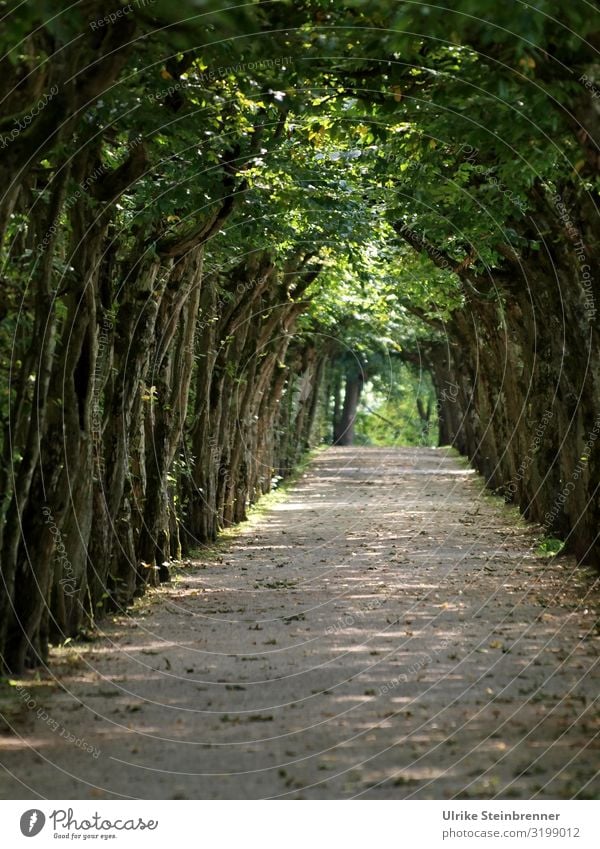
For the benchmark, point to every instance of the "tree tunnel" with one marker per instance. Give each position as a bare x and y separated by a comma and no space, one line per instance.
223,230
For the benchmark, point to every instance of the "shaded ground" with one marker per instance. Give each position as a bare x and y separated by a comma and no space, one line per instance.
385,632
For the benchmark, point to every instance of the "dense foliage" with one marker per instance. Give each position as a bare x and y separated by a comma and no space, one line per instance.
218,224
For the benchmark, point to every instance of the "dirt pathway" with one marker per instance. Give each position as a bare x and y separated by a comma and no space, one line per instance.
385,632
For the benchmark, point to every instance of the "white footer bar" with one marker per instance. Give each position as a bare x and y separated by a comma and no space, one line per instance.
307,825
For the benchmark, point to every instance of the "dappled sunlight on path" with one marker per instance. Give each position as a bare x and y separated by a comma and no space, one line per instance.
385,631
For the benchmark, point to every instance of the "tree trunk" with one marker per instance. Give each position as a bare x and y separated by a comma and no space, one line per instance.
345,431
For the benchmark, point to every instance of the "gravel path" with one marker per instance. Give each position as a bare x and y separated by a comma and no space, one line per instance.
385,631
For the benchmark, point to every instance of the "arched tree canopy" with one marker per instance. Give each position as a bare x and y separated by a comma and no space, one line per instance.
220,224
